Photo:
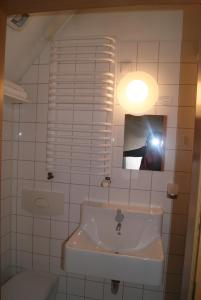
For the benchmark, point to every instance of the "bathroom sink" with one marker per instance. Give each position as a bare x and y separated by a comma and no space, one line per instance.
118,243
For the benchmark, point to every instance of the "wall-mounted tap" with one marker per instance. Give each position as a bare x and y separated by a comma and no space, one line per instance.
119,218
118,228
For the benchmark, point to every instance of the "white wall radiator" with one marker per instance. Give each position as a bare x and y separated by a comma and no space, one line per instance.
80,108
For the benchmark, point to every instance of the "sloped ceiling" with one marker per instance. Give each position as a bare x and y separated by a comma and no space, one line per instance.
21,6
24,46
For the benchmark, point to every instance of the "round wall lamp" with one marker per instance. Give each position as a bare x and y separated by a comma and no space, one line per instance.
137,92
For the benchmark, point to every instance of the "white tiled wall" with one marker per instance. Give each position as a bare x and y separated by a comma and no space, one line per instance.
6,190
36,241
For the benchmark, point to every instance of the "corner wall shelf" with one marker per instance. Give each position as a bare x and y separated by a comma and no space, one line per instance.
15,93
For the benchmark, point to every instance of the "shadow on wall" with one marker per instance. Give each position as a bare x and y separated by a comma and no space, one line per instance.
183,167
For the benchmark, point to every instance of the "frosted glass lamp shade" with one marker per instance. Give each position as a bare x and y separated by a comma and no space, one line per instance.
137,92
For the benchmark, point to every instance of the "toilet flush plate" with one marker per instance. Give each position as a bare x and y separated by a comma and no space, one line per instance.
43,203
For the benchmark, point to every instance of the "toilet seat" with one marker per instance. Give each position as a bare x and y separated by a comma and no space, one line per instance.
29,285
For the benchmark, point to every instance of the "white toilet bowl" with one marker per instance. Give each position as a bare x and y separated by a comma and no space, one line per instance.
30,285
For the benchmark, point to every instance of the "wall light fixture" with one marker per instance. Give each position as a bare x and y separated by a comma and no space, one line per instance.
137,92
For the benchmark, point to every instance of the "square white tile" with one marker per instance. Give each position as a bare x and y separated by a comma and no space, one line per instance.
79,193
31,90
117,195
80,179
168,94
150,68
43,93
26,132
43,74
40,151
139,197
170,157
160,199
148,51
151,295
56,266
26,150
62,188
94,290
75,286
132,293
120,178
161,179
31,76
56,247
127,51
74,213
45,55
40,171
62,284
141,180
42,113
60,296
28,113
41,227
98,194
24,259
41,132
24,242
41,245
24,225
118,136
59,230
41,262
170,51
117,156
169,73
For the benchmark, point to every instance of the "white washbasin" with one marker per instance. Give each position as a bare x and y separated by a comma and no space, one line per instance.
134,255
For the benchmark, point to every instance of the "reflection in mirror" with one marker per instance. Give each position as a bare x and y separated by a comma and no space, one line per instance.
144,138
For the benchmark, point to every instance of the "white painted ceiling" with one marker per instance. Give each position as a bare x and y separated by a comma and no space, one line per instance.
24,46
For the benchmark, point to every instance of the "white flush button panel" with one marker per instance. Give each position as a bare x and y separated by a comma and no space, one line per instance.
43,203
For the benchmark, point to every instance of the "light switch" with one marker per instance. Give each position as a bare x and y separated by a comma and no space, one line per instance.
165,100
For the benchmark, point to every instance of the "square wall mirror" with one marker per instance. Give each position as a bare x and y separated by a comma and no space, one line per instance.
144,142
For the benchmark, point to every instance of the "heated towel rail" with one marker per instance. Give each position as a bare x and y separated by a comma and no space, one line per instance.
80,107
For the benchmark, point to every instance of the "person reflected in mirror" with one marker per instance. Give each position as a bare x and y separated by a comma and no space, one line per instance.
151,152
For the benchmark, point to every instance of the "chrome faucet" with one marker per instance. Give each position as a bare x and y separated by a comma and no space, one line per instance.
118,228
119,218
